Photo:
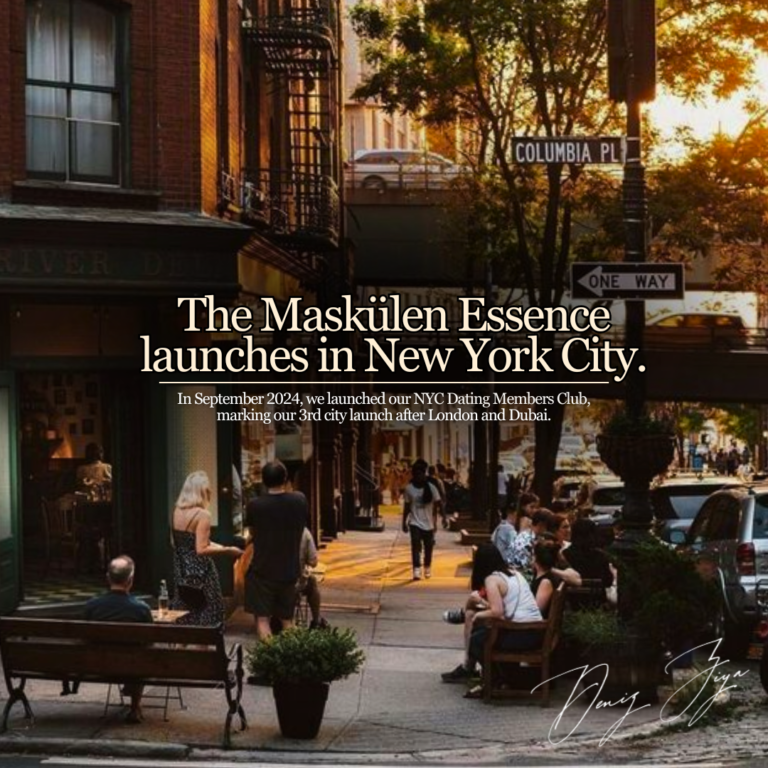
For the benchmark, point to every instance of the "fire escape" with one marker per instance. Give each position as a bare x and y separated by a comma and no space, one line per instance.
295,200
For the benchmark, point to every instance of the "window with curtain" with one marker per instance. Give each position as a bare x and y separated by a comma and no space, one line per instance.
73,91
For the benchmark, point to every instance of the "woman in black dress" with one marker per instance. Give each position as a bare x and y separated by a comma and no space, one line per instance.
192,553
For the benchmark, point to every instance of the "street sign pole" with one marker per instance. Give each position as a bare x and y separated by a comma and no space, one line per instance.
635,38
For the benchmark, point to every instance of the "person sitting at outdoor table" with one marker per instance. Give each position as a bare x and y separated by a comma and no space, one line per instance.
527,504
94,477
307,584
546,576
585,557
523,546
504,535
560,526
118,604
504,594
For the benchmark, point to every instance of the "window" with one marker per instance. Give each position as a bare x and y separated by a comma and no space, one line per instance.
73,91
760,522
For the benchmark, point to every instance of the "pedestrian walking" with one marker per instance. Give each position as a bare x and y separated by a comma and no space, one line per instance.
422,499
276,522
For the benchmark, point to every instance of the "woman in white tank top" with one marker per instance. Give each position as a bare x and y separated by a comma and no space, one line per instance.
504,594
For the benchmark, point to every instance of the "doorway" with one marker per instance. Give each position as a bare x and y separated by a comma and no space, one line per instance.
75,427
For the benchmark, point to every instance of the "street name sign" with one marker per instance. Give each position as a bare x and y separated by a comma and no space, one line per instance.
605,150
622,280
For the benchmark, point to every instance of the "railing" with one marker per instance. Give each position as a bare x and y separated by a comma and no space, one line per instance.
369,495
302,25
410,178
229,192
293,205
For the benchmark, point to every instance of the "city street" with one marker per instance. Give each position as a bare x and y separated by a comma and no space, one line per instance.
396,710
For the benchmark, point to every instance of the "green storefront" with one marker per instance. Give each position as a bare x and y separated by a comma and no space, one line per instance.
78,288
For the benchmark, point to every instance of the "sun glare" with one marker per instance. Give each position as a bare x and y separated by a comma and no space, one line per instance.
668,113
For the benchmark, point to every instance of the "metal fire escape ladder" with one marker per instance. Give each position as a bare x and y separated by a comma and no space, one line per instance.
297,42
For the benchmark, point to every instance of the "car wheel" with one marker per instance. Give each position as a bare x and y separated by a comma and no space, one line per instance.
736,637
764,668
374,182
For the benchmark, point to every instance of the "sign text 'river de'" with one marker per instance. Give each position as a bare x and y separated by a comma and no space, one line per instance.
570,149
610,280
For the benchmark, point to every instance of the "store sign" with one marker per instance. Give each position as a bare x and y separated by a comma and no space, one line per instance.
123,268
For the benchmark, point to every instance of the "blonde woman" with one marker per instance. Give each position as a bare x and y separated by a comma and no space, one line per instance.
197,587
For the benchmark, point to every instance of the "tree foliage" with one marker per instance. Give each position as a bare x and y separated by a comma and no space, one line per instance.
507,68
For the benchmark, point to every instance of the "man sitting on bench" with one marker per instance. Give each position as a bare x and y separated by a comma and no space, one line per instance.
119,605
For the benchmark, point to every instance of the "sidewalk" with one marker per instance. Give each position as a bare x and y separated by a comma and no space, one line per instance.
397,709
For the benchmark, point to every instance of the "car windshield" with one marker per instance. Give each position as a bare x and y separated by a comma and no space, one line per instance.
760,522
681,502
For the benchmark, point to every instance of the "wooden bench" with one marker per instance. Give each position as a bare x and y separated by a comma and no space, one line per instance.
538,657
119,653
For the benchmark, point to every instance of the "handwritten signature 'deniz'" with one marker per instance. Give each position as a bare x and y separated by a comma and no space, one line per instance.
697,707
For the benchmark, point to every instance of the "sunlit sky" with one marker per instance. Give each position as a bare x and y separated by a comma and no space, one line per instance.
705,118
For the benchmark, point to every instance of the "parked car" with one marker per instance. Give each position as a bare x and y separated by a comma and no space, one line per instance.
729,538
400,168
709,330
571,445
605,497
676,501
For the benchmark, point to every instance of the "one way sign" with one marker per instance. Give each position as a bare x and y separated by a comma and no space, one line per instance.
611,280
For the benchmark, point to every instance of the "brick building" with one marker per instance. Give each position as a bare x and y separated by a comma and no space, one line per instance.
147,151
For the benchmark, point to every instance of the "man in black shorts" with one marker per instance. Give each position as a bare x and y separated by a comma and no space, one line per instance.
276,521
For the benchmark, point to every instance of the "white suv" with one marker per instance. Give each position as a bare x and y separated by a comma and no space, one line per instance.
729,538
382,169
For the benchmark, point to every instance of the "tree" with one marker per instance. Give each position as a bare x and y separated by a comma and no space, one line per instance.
741,422
537,67
685,418
716,199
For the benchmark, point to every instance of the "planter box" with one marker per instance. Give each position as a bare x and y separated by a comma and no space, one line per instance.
633,668
633,457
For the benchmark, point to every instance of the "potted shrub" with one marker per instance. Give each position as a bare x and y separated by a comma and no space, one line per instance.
672,607
300,664
675,605
632,663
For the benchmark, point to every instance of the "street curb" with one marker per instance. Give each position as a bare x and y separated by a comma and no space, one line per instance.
95,747
491,753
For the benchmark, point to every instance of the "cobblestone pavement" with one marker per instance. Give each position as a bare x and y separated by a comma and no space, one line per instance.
734,733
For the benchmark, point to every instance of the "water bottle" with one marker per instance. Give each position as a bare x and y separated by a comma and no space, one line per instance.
162,599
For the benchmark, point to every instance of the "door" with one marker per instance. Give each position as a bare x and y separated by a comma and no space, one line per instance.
10,538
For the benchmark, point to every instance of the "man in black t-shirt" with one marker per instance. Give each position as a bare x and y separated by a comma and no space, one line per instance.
120,605
276,521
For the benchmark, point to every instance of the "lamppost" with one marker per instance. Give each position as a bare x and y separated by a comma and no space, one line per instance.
632,80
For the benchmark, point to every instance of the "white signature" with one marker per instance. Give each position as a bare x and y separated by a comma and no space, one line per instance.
721,681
